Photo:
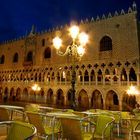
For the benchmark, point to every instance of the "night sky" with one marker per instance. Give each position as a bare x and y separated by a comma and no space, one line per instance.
17,16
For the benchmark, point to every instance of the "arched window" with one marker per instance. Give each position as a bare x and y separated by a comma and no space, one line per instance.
106,44
15,58
123,75
47,53
132,75
2,59
86,76
30,56
43,42
100,76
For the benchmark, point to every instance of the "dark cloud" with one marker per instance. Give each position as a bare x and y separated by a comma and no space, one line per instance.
17,16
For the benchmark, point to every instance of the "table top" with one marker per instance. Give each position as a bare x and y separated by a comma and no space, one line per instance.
12,107
45,107
62,114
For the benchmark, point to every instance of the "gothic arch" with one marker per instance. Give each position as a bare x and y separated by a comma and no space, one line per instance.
25,95
132,75
47,53
29,56
49,96
97,100
59,97
18,94
83,100
128,102
15,58
106,43
112,101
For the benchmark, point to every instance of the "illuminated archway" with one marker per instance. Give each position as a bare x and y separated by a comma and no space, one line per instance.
83,101
60,98
97,100
112,101
50,96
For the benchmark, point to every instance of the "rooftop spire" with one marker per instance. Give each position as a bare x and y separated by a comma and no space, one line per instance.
134,6
32,32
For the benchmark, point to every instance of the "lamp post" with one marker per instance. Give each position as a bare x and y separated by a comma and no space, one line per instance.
75,51
36,88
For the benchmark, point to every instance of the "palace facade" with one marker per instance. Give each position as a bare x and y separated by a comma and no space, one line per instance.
108,68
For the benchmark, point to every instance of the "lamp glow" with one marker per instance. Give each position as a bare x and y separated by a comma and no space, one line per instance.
35,87
80,50
132,91
74,30
57,42
83,38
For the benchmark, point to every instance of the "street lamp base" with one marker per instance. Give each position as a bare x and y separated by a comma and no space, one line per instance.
74,106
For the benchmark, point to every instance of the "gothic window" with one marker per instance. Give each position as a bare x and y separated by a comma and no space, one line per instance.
86,76
2,59
115,99
123,75
92,75
39,77
47,53
106,44
107,75
100,76
15,58
36,77
43,42
132,75
30,56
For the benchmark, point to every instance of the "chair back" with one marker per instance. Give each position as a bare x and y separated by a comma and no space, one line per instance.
19,130
71,128
36,120
104,126
4,114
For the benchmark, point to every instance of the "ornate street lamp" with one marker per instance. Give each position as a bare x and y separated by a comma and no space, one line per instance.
36,88
75,50
132,91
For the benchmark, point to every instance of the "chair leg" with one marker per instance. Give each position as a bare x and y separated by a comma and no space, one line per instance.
118,129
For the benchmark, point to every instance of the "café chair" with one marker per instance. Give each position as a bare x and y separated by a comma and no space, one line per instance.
4,114
18,130
103,127
47,126
72,129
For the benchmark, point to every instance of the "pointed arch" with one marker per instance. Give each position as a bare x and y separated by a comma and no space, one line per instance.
106,44
92,75
15,58
99,76
128,102
83,101
50,96
86,76
18,94
107,75
60,97
112,101
2,59
29,56
47,53
25,95
132,75
97,100
123,75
